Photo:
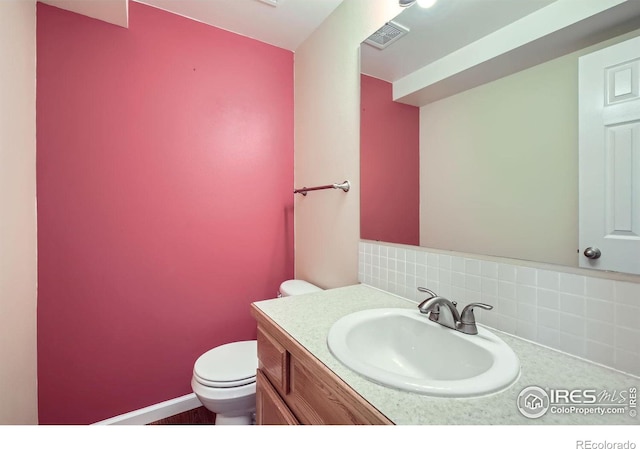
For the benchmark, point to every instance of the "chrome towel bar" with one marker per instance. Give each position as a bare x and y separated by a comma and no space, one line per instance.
343,186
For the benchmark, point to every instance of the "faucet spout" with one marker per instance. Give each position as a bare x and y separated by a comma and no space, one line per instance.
441,310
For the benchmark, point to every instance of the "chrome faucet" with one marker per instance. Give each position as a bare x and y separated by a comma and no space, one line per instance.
445,312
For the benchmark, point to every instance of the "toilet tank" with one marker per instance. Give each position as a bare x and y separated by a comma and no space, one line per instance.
294,287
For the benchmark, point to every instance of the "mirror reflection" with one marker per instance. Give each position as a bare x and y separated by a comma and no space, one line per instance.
480,158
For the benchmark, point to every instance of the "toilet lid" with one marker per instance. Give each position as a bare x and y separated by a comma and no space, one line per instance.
229,365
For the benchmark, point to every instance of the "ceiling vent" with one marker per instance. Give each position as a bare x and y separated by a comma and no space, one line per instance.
387,35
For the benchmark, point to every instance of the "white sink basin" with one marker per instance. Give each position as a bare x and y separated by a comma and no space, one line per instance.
403,349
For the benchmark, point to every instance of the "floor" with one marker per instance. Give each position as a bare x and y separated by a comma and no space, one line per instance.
197,416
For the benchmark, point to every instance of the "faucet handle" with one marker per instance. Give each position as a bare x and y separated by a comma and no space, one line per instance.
426,290
467,316
468,319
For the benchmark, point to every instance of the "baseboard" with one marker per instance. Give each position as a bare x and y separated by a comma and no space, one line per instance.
154,412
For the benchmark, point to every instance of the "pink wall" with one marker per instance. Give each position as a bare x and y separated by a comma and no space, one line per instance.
164,183
389,166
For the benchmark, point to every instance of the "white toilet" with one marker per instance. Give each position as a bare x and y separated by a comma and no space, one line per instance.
224,378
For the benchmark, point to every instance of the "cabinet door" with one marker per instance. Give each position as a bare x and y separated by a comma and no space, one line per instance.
270,408
273,361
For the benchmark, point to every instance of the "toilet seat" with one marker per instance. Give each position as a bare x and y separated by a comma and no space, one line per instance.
227,366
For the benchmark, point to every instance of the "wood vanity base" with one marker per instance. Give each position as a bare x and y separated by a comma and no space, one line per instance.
293,387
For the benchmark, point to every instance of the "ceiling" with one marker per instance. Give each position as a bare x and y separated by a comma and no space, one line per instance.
460,44
437,31
285,25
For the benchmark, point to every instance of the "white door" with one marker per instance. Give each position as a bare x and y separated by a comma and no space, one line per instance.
609,158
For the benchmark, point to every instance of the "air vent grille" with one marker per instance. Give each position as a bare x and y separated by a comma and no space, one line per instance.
387,35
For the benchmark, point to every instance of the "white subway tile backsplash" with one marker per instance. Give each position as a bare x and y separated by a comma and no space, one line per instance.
548,279
549,318
457,279
506,272
411,268
472,283
627,316
445,290
470,296
526,294
600,332
627,339
412,283
549,337
457,264
599,288
600,353
526,276
472,266
384,251
458,293
573,304
527,312
627,293
572,324
433,274
527,330
506,290
627,361
572,283
505,323
489,286
590,317
603,311
489,269
506,307
444,276
549,299
572,344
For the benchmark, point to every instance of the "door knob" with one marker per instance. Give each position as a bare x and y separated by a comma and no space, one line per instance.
592,253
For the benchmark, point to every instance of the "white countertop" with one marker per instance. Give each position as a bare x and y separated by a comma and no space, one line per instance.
308,318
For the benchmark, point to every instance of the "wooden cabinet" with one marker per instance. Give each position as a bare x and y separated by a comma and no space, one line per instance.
270,408
293,387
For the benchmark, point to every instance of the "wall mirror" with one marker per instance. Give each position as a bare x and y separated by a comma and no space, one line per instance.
469,124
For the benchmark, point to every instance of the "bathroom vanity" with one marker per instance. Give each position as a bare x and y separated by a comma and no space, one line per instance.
300,382
293,387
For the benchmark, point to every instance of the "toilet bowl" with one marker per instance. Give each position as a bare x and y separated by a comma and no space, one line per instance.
224,378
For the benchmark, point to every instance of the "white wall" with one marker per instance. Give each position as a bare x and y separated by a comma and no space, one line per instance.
327,141
18,268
